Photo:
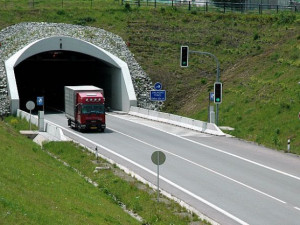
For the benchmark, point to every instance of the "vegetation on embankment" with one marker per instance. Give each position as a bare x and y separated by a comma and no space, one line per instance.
259,57
36,188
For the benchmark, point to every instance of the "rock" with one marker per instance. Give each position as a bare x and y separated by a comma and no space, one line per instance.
16,37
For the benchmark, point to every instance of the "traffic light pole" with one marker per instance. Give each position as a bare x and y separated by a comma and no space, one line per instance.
217,77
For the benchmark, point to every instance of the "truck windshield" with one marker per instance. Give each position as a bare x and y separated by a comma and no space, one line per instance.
92,109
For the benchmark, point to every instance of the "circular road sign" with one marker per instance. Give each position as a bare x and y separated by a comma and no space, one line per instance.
30,105
157,86
158,158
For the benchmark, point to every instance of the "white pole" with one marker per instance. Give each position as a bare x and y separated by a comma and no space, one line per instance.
157,177
30,121
289,145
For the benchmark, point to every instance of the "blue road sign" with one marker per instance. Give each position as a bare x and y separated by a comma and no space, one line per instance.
40,101
157,86
211,96
159,95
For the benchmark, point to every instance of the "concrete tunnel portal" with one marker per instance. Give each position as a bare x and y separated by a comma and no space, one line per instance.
44,67
47,73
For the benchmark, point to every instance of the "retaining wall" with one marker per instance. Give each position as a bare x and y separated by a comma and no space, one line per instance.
197,125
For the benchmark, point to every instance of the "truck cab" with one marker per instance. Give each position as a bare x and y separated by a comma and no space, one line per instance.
90,111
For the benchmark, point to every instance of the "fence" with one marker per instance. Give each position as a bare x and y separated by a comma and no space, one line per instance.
217,6
195,5
56,4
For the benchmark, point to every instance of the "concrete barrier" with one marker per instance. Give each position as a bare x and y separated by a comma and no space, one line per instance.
185,122
49,127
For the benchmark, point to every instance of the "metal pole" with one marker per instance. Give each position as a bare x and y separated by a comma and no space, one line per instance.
208,108
157,177
217,76
30,121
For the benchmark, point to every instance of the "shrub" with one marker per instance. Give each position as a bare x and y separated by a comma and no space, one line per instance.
61,12
83,21
256,36
127,6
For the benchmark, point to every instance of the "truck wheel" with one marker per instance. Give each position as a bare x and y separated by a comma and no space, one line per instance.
79,128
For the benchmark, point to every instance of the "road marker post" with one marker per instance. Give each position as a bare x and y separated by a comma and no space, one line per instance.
158,158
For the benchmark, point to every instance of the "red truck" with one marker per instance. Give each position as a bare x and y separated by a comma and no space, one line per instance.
84,107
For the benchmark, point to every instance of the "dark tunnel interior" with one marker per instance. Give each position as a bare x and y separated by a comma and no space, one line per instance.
47,73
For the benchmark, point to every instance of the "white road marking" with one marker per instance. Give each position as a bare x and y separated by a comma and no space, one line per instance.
162,178
219,150
297,208
203,167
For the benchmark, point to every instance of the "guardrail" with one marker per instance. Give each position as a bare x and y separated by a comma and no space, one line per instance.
197,125
223,7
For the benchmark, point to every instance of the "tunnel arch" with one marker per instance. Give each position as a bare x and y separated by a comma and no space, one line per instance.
122,91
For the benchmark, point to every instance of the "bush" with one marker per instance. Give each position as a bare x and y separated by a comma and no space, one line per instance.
286,18
83,21
127,7
256,36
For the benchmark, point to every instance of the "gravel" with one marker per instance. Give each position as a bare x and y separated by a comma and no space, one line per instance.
14,38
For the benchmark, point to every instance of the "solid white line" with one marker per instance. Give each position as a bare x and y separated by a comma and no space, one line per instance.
218,150
203,167
297,208
162,178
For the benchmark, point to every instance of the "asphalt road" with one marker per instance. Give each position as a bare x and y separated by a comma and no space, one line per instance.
231,181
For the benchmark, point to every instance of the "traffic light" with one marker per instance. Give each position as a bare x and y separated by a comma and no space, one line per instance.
218,92
184,56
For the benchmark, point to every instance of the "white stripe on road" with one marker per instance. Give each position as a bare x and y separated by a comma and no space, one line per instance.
203,167
162,178
218,150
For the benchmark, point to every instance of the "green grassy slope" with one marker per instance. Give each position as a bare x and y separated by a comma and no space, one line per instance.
259,56
36,189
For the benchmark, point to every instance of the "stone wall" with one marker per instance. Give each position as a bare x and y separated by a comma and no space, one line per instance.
16,37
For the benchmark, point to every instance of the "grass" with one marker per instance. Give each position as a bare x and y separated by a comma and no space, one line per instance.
35,188
258,54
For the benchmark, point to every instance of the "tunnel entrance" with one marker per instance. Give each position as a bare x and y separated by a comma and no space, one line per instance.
45,66
47,73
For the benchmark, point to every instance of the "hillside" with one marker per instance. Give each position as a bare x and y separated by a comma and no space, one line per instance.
36,189
259,57
50,186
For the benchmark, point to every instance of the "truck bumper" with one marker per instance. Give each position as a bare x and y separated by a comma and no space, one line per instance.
94,126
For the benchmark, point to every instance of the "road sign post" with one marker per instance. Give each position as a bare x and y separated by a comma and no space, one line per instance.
40,102
30,106
158,94
158,158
